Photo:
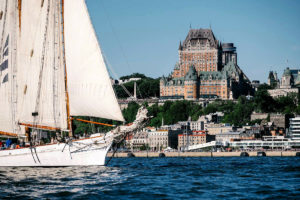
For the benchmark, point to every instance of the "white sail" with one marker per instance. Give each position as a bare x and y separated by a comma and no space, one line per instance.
7,66
89,85
40,67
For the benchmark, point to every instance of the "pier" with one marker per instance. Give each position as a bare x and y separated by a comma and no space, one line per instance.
203,154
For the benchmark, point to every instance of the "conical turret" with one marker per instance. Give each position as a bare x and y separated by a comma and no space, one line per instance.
180,46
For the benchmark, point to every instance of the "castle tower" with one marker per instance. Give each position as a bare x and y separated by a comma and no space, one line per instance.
200,49
190,84
286,79
229,53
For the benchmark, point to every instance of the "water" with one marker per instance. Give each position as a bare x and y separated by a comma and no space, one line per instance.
159,178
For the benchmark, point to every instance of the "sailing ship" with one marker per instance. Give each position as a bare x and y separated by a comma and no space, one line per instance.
51,69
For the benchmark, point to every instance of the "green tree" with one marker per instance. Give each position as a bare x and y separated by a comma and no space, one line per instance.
130,112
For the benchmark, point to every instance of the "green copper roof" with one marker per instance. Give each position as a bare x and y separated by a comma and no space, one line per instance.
213,75
191,74
287,72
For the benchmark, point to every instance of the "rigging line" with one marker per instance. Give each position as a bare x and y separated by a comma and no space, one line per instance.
114,73
14,87
36,155
138,88
56,61
116,36
69,121
42,62
116,149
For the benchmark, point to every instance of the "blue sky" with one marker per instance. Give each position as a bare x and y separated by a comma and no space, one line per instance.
143,35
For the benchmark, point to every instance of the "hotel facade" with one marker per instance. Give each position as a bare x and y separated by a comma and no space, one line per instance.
206,69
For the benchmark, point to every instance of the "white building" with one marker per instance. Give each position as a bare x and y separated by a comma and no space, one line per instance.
295,128
227,137
139,140
158,139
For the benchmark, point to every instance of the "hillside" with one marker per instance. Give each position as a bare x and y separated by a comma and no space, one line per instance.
146,87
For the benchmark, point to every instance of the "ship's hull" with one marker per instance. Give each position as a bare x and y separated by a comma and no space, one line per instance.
85,152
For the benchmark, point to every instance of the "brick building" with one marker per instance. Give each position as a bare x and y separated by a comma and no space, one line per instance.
194,138
206,69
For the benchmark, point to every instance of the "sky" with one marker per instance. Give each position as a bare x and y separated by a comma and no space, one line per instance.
143,35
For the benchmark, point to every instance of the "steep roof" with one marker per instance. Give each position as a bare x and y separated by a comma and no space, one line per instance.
174,81
271,75
213,75
195,34
191,74
231,68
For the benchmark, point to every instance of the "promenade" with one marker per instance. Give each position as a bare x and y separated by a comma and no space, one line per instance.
203,154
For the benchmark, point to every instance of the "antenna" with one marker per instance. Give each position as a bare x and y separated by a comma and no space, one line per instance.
190,25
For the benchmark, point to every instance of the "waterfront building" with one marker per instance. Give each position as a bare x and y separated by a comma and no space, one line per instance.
139,140
227,137
279,120
215,129
193,125
159,140
193,138
206,69
202,122
294,130
268,142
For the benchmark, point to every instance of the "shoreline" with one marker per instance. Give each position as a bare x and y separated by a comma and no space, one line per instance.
202,154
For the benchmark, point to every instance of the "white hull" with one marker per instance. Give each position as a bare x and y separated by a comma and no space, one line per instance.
86,152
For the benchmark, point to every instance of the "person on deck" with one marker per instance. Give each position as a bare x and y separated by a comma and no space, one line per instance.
8,143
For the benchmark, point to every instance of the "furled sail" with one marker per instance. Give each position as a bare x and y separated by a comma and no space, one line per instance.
8,92
89,85
40,65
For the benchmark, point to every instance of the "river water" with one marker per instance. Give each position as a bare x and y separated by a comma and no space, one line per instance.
159,178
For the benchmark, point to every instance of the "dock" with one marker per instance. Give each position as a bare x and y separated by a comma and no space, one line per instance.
202,154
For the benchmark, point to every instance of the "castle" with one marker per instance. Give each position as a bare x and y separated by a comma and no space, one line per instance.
206,69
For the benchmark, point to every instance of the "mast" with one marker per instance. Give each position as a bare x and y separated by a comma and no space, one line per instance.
69,120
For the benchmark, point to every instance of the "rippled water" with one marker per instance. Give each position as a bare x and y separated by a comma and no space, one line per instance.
159,178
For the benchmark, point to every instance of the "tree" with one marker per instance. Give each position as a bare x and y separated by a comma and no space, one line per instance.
264,102
146,87
134,75
130,112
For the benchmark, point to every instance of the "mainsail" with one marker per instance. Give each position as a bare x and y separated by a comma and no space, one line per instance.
89,85
41,70
8,92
